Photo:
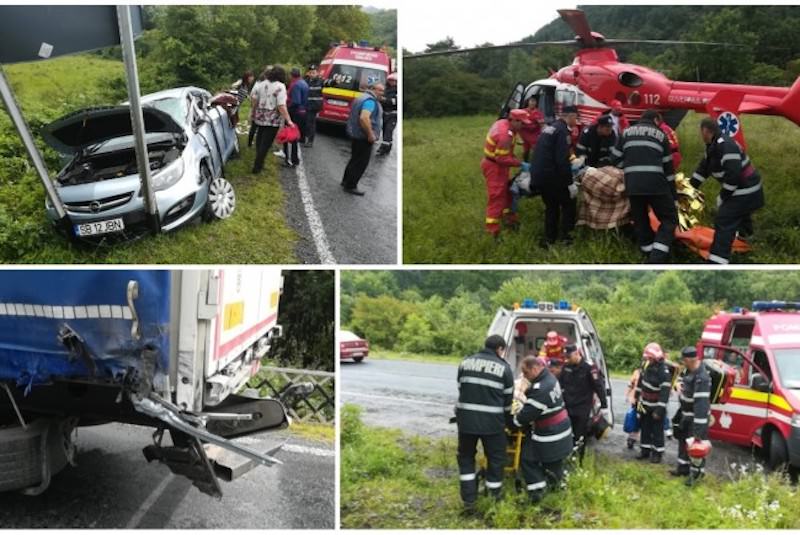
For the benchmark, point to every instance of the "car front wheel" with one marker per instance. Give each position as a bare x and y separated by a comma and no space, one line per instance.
221,199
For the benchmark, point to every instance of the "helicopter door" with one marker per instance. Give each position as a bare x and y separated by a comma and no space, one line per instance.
513,101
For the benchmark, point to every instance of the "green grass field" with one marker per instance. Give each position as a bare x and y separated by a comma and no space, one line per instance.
394,481
444,198
257,232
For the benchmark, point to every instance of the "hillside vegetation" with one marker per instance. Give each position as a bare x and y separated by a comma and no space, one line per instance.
448,313
444,199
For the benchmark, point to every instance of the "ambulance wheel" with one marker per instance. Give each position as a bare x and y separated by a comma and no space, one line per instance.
777,454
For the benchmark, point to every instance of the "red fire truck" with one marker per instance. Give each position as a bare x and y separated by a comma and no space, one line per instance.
763,407
348,68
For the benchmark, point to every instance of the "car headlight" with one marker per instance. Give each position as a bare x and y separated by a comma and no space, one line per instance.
168,176
796,420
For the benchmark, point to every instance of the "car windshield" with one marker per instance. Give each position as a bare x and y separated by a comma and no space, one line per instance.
174,107
788,362
354,78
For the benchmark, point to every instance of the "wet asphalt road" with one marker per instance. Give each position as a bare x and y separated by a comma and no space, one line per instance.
419,398
113,486
357,230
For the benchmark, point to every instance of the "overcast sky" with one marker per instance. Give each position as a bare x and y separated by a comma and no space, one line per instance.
471,23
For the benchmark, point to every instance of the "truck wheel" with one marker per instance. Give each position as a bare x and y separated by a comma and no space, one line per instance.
777,456
23,452
358,359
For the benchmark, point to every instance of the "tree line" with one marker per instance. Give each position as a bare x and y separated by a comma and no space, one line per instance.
449,312
473,83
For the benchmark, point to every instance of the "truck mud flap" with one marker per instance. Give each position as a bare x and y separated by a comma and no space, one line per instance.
187,456
267,415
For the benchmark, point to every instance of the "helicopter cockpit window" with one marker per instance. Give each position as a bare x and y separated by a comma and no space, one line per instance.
566,97
630,79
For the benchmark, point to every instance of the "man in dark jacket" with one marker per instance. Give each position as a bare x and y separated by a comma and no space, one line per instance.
580,381
741,192
596,142
315,83
389,115
485,395
644,154
548,435
652,395
691,420
551,172
363,126
298,106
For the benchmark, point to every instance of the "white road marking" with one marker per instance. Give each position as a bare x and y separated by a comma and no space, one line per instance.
314,221
405,400
149,502
293,448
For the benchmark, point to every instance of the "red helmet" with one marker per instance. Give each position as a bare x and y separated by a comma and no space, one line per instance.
698,449
615,105
392,77
552,339
653,351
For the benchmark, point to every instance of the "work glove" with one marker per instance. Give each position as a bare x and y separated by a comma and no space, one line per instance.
525,167
573,191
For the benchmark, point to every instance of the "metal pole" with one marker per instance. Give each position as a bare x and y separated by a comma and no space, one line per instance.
137,119
36,157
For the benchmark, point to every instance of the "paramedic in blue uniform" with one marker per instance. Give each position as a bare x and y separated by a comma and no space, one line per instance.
741,192
485,395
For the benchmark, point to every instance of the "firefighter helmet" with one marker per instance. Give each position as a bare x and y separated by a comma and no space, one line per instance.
392,77
552,339
698,449
653,351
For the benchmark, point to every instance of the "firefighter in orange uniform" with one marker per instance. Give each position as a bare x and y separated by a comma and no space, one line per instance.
553,348
672,137
498,159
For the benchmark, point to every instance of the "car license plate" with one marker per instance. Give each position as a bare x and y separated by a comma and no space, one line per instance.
359,354
99,227
334,102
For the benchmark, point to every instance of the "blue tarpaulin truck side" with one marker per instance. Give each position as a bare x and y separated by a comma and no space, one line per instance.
171,349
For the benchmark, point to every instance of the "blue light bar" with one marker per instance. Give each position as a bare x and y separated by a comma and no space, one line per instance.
528,303
762,306
563,305
737,310
363,43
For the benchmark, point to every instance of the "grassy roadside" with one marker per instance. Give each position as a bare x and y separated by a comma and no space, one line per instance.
315,431
257,233
385,354
444,198
395,481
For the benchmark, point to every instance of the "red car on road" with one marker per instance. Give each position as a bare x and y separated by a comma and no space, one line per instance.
352,347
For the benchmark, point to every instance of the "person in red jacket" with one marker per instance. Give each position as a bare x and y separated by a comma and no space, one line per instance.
620,122
672,137
530,133
498,159
553,347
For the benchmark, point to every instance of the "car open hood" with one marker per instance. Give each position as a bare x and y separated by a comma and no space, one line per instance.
87,127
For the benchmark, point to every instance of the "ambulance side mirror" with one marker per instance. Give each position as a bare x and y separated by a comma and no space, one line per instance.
759,383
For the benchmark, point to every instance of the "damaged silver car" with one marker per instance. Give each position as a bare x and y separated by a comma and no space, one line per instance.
189,140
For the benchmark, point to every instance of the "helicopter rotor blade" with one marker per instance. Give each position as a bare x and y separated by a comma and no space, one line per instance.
576,19
668,42
485,48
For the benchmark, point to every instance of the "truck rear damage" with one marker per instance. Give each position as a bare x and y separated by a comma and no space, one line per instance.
164,349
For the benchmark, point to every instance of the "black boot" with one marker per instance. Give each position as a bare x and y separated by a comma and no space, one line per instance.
631,442
694,478
535,496
644,454
680,470
655,457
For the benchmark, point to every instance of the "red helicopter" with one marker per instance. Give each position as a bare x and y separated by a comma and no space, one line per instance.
596,77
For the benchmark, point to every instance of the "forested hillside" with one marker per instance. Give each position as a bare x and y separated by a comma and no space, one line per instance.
477,82
449,312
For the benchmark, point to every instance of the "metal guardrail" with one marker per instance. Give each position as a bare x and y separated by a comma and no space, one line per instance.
319,406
